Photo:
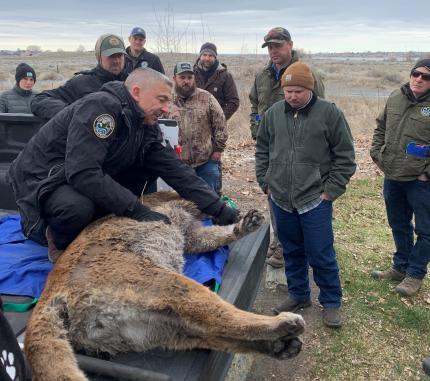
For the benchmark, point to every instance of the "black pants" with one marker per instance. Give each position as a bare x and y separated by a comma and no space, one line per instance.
68,212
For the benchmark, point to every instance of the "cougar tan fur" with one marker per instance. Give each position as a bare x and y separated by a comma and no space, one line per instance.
118,287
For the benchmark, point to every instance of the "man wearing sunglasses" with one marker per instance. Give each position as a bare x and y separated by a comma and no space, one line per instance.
403,129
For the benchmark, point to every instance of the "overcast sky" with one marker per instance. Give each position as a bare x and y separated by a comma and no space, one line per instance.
234,26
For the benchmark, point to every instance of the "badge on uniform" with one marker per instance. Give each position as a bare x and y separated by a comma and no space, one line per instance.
144,64
103,126
425,111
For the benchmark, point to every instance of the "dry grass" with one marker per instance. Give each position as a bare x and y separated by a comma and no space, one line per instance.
385,337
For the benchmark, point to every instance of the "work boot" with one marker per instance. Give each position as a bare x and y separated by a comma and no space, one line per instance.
391,274
409,286
332,317
426,366
290,305
275,257
53,252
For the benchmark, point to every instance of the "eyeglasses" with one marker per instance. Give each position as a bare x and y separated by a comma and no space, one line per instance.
417,74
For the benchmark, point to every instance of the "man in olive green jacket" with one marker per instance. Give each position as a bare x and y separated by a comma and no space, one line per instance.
265,92
267,88
304,159
400,149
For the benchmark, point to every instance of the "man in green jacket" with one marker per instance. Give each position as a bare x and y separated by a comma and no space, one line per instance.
304,159
266,91
267,88
400,149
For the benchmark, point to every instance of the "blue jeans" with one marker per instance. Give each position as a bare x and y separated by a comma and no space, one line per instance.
404,199
210,172
307,239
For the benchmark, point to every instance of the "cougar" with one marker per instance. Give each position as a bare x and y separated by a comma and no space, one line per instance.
119,287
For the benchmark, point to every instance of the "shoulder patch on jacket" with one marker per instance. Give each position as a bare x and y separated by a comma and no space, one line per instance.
425,111
103,126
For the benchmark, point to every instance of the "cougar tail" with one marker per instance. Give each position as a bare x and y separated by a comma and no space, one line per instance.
47,347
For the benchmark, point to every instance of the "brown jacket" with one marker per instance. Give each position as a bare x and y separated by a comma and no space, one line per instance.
202,126
221,85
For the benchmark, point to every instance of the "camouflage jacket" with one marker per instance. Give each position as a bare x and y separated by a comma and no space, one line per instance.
267,90
202,126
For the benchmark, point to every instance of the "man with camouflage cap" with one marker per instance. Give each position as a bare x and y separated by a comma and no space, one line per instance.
266,91
110,52
202,125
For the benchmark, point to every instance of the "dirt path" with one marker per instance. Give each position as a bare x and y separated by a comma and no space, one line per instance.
240,184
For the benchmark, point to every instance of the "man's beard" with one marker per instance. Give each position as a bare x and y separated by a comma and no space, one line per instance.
185,92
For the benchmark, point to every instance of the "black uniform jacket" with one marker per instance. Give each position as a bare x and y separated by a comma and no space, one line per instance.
145,59
49,102
90,144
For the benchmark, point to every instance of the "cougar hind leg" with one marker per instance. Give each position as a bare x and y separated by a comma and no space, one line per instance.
203,239
46,345
185,315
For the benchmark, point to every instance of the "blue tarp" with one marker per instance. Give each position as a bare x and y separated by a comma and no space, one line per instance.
206,266
24,264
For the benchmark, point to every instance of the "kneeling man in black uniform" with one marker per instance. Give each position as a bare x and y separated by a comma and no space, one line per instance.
94,158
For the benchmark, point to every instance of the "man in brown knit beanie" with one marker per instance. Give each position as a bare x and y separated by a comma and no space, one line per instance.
304,159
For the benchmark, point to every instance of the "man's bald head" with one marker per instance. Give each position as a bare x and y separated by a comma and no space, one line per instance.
152,92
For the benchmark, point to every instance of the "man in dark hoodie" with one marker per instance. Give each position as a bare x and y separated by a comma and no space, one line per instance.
213,77
137,55
94,158
110,52
18,98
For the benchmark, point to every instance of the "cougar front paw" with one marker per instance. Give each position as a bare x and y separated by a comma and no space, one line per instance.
250,222
289,325
286,348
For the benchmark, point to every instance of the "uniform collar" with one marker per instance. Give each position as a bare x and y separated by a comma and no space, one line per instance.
118,89
99,71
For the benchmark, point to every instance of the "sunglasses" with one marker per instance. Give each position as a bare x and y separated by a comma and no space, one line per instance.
417,74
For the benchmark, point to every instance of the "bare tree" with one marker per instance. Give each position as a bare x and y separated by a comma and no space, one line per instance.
169,38
80,49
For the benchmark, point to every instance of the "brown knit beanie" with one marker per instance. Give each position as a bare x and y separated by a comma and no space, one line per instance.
298,74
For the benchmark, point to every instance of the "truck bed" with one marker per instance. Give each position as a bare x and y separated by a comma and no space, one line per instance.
241,280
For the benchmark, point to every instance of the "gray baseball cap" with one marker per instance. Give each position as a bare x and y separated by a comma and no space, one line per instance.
183,67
